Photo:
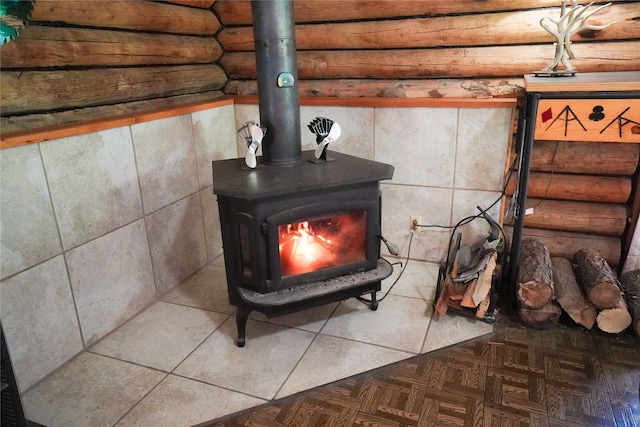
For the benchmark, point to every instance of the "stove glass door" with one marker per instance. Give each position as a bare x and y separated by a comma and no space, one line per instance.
315,244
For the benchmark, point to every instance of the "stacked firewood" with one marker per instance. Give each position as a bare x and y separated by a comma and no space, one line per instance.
535,290
587,290
467,287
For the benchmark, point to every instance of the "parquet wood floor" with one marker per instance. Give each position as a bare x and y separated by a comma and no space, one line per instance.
563,377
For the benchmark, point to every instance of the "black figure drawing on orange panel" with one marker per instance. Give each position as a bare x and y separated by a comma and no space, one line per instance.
566,115
622,121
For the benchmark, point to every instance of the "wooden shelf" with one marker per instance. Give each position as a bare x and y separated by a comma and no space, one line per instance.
585,82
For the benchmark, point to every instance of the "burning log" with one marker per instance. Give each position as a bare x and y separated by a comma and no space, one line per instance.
535,278
569,295
599,280
630,285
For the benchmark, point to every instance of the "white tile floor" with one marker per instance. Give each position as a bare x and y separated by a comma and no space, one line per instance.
176,364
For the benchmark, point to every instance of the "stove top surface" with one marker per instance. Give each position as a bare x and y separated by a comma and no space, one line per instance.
232,178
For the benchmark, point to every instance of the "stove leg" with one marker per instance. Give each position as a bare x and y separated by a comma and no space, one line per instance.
374,302
242,315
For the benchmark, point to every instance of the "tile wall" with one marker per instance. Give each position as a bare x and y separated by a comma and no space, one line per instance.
447,161
95,228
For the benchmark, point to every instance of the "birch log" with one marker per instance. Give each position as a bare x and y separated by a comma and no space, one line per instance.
542,318
569,295
599,280
535,277
615,319
630,285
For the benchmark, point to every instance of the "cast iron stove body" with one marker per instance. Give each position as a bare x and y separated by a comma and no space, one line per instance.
301,236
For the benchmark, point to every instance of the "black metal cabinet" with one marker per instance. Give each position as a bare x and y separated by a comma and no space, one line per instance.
567,108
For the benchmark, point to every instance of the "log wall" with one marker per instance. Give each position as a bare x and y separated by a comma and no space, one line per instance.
87,55
431,49
580,196
346,48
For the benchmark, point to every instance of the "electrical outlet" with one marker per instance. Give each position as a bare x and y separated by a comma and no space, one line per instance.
415,221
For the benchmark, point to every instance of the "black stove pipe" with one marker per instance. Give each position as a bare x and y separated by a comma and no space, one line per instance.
277,75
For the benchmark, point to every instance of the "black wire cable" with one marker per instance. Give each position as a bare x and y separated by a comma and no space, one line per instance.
502,194
553,167
463,221
368,301
467,220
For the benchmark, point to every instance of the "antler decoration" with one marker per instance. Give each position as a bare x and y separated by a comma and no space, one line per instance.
566,26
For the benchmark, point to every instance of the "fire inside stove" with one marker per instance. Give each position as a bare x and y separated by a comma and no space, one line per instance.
331,241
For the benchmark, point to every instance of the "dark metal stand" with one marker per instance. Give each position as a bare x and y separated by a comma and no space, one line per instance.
374,302
525,148
527,121
242,315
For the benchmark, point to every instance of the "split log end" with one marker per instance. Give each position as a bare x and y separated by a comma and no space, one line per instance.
614,320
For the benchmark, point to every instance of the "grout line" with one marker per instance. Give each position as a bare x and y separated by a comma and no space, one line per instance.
140,400
408,352
144,215
426,333
63,252
226,389
315,337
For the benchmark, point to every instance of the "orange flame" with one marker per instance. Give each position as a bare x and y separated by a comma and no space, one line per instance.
309,245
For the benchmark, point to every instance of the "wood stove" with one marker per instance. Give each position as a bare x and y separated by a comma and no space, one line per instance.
300,236
296,232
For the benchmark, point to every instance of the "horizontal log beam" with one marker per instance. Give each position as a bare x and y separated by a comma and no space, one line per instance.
127,14
41,91
202,4
368,88
23,130
585,157
566,244
519,27
588,188
39,47
443,63
585,217
238,12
